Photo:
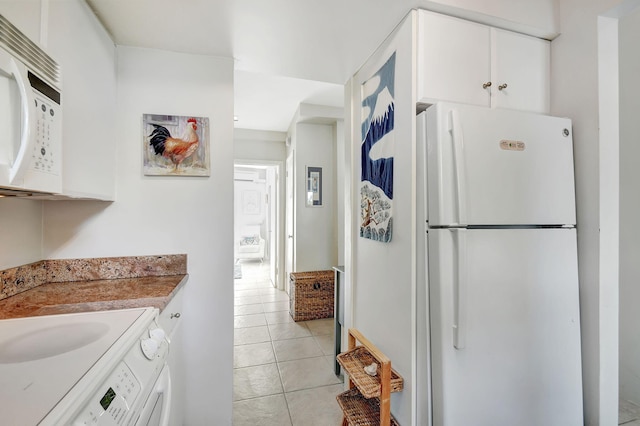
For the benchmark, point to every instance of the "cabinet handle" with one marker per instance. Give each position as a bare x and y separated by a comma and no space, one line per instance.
502,86
487,84
176,315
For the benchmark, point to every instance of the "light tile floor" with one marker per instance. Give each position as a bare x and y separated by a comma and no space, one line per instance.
628,413
283,370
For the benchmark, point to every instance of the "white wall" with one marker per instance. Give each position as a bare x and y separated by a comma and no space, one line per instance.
382,273
629,32
160,215
316,245
20,232
574,94
532,17
259,145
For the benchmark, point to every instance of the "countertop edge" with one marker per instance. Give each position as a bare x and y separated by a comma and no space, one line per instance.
116,302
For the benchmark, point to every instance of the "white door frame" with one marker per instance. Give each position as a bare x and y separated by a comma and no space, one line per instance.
290,195
609,165
276,258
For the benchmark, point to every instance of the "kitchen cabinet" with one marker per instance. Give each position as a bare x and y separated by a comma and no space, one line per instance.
521,65
87,56
171,323
467,62
25,15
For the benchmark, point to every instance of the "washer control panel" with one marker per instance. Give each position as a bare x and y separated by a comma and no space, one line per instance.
113,401
122,396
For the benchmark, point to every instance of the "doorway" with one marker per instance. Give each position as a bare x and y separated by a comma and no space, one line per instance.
257,213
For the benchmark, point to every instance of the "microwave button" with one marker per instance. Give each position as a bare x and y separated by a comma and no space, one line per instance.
44,108
51,112
43,151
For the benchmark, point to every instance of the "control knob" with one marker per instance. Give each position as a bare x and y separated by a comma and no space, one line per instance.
151,345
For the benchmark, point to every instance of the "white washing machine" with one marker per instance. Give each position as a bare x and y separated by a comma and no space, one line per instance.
95,368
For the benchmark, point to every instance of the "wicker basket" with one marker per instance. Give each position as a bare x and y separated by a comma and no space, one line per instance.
311,295
359,411
354,362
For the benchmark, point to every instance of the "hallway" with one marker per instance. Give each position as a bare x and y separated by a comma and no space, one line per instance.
283,370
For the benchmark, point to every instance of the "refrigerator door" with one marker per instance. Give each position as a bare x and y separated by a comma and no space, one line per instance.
498,167
505,327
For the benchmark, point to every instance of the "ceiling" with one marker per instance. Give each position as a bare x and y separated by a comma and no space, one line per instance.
286,52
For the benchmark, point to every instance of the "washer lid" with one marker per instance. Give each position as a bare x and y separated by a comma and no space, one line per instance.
42,358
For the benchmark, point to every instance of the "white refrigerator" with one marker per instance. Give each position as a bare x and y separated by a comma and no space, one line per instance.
499,269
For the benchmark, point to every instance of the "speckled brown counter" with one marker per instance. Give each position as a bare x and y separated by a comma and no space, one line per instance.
97,295
83,285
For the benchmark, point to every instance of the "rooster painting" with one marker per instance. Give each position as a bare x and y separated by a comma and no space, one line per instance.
172,149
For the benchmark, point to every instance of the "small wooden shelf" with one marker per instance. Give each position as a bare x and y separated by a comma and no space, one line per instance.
360,411
367,402
354,362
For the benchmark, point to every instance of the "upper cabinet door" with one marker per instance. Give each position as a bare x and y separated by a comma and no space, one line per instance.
520,71
471,63
87,56
453,60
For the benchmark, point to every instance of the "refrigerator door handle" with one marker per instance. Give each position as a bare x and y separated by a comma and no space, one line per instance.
455,127
459,287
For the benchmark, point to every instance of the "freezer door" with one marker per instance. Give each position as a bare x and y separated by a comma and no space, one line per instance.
505,327
498,167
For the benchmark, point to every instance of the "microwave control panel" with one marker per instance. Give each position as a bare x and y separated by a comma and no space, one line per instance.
46,156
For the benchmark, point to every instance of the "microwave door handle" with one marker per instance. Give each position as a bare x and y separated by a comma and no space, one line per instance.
27,140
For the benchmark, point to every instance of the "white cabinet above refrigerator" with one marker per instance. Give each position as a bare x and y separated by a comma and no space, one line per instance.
466,62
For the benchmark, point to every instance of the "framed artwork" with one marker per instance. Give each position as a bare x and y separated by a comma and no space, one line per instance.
378,148
314,186
250,202
175,145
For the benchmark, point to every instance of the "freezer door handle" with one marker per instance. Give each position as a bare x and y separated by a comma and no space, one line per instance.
455,127
459,287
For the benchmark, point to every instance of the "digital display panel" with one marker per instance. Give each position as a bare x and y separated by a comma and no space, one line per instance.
107,398
43,87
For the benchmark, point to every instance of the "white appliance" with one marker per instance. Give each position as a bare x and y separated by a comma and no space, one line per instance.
500,266
97,368
30,116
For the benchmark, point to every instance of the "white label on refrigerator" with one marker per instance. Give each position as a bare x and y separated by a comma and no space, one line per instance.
509,145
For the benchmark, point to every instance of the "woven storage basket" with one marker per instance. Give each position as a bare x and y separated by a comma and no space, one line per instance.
355,360
311,295
360,411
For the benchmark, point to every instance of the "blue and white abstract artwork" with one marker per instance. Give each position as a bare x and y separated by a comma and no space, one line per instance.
377,150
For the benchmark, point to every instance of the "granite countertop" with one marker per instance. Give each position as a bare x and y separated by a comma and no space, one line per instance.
97,295
119,288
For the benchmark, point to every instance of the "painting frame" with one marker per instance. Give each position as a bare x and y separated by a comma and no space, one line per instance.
313,186
250,201
175,145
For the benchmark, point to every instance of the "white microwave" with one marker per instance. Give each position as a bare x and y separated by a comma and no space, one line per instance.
30,116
